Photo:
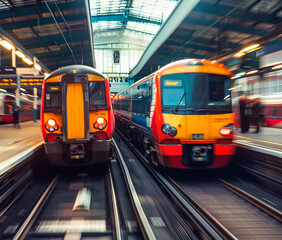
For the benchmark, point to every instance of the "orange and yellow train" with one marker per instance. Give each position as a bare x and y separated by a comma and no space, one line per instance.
180,115
76,116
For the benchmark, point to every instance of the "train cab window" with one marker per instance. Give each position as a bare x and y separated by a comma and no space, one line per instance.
173,91
219,90
8,107
97,94
190,93
53,96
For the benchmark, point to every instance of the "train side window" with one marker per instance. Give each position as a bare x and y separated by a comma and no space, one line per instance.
97,93
53,96
8,107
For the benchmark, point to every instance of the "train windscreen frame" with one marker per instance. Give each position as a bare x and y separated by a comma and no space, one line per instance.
194,93
53,96
97,95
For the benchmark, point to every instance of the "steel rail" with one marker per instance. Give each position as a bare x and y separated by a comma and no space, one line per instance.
20,235
12,189
115,208
142,219
201,217
260,204
261,174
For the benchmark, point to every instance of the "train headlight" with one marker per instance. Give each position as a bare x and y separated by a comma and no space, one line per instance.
100,123
51,125
172,131
166,128
227,130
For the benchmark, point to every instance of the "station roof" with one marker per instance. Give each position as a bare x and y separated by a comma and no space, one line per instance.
211,29
57,33
128,21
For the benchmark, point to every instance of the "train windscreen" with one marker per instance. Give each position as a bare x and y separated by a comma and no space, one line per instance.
191,93
53,96
97,94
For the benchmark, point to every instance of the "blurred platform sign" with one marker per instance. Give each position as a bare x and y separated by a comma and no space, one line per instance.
8,77
11,78
32,81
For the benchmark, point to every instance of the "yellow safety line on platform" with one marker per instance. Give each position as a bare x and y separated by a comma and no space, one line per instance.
262,146
261,140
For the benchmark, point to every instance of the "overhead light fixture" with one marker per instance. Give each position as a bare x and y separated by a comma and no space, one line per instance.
3,90
23,89
239,54
6,44
28,61
277,66
46,74
249,48
251,72
213,61
238,75
20,54
37,66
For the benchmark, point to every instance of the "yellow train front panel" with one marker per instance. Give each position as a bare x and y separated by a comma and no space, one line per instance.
198,127
75,111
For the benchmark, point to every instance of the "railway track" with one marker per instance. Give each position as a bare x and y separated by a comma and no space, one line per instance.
224,210
191,213
126,200
262,168
75,206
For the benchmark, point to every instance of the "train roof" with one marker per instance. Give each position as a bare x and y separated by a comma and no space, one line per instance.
180,63
194,62
78,68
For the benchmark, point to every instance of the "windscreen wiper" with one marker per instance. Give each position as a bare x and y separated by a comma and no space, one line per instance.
176,109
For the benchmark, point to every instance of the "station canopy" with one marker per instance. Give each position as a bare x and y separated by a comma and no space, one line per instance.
57,32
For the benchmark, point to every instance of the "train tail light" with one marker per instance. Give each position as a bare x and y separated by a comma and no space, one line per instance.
51,137
227,130
51,125
100,123
101,136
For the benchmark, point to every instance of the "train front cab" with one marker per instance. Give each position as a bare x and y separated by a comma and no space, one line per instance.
193,129
78,125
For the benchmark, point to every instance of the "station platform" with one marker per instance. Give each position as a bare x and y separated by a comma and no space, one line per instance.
267,141
14,141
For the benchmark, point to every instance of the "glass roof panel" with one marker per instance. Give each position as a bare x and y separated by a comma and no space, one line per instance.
137,18
105,25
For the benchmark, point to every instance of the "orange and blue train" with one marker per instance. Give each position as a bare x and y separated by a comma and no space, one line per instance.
77,118
180,115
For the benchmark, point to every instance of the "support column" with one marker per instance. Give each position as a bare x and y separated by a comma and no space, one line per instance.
14,62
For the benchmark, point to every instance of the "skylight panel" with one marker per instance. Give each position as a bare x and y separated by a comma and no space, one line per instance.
143,27
105,25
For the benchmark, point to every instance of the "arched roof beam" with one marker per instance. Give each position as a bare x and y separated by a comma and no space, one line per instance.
43,21
225,27
220,10
28,9
123,18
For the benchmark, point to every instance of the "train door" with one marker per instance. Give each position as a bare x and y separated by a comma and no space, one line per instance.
75,101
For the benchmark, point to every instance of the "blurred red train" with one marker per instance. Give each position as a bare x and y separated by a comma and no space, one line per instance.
7,101
265,83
